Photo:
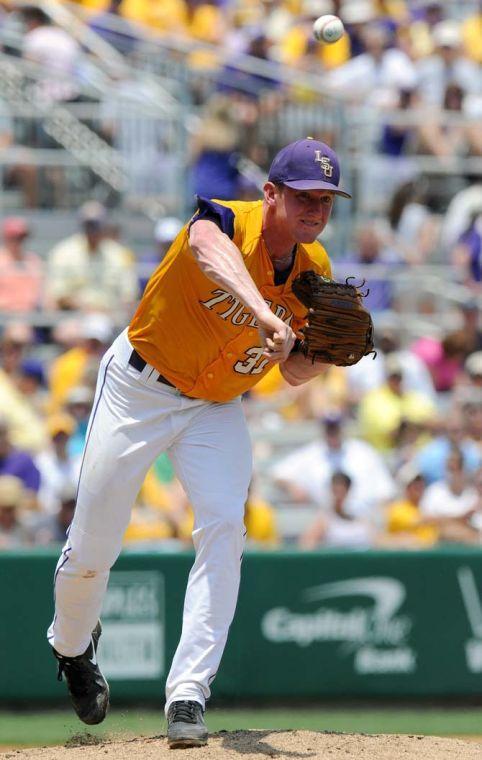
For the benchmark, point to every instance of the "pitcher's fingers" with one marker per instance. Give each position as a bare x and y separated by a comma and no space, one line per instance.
279,337
274,356
281,352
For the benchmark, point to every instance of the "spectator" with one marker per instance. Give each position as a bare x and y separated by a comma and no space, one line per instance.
89,270
260,522
206,21
21,271
463,207
66,333
467,254
170,16
443,358
162,511
22,174
396,138
49,529
390,164
356,15
214,172
447,66
405,524
16,341
470,313
468,392
32,384
165,231
375,76
471,35
473,368
420,31
407,442
13,533
416,376
471,407
382,410
371,251
415,228
19,463
148,525
55,51
57,55
159,475
449,138
335,525
57,469
254,86
305,474
79,405
25,424
79,364
453,501
369,373
432,458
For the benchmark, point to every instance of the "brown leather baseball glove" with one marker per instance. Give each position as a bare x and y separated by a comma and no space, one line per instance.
338,330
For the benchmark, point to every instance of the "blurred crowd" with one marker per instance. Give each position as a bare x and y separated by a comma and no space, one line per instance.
396,460
414,62
395,463
396,457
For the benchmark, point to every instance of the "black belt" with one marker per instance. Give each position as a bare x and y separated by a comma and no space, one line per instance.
136,361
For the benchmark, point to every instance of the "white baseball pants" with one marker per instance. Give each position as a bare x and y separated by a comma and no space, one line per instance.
134,418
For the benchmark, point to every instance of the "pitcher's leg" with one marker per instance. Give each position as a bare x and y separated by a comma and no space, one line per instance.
214,464
127,430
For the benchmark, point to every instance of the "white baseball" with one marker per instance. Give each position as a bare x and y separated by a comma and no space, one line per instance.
328,29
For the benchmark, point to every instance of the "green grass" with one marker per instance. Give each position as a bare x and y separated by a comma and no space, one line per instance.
26,728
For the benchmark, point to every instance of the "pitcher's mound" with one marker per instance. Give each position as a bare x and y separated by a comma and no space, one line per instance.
258,745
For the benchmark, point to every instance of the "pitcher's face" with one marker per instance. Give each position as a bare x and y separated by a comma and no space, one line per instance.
302,214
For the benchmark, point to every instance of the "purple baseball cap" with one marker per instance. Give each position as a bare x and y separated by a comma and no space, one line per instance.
307,165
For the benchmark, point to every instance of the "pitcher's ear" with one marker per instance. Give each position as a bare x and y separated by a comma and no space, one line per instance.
270,191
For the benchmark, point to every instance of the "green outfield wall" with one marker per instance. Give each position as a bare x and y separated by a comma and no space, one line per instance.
308,625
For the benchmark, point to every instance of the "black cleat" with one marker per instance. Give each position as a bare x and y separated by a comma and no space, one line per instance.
89,691
185,725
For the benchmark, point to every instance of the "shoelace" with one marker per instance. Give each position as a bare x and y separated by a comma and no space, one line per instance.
185,711
83,677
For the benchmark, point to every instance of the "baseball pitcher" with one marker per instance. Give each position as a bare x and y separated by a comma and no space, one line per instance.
231,298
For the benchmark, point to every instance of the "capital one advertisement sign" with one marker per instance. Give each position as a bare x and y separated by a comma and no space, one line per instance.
361,617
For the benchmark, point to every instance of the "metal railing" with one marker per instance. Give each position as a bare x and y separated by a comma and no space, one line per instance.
160,88
410,285
125,150
117,155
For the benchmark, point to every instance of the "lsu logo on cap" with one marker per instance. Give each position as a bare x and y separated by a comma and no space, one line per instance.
325,163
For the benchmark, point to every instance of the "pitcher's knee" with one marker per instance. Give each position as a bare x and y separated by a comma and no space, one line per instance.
227,528
82,568
91,556
234,525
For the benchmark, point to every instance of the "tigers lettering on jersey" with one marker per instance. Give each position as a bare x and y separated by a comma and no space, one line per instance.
236,311
199,336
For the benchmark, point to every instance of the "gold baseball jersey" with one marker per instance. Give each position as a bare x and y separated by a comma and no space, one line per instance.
198,335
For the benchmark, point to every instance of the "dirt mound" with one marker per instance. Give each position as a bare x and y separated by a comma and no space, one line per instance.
257,745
